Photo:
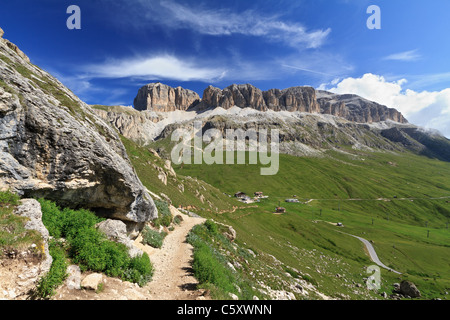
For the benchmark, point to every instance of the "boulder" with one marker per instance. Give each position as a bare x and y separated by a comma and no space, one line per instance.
116,230
31,209
22,268
73,281
407,288
92,281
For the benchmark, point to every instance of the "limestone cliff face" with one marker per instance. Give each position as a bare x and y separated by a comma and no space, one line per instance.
248,96
53,145
357,109
162,98
302,99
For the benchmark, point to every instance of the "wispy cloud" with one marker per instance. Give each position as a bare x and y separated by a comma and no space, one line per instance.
225,22
411,55
324,65
307,70
156,67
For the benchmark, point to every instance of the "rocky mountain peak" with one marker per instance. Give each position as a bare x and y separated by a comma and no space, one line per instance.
355,108
163,98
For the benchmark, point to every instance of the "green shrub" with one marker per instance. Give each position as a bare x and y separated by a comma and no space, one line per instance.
65,223
56,275
210,266
9,198
165,217
177,220
52,217
140,270
209,269
212,227
153,238
77,220
163,207
89,248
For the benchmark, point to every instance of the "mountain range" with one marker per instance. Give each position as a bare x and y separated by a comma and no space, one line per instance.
162,98
310,121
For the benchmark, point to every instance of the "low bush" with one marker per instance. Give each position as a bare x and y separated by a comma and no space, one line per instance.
89,248
153,238
9,198
208,269
211,267
56,275
165,217
139,270
212,227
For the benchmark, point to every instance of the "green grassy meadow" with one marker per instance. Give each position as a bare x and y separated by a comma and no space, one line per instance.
399,201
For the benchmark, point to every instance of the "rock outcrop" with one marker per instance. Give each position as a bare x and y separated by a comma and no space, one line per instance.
136,125
53,145
301,99
242,96
298,99
21,268
116,230
357,109
162,98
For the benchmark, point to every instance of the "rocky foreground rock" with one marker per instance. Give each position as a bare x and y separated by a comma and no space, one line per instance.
53,145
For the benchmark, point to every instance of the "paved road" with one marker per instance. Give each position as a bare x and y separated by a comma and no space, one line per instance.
372,253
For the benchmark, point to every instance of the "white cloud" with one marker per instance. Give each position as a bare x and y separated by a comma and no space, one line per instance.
155,67
404,56
430,109
224,22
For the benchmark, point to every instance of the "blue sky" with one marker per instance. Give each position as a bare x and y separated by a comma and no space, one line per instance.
125,44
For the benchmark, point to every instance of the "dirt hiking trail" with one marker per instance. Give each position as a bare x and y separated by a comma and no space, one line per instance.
172,278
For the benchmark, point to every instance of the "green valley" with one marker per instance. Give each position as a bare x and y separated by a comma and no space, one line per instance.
398,201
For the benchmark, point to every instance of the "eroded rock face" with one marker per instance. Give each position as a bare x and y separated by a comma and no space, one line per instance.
53,145
298,99
162,98
301,99
357,109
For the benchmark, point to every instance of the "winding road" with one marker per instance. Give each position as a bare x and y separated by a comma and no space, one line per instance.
372,253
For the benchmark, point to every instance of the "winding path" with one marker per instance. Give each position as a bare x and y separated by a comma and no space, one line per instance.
173,278
372,253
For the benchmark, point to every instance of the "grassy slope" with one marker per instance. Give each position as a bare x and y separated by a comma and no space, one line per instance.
301,240
143,162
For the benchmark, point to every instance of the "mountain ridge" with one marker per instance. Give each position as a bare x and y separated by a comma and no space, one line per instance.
163,98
